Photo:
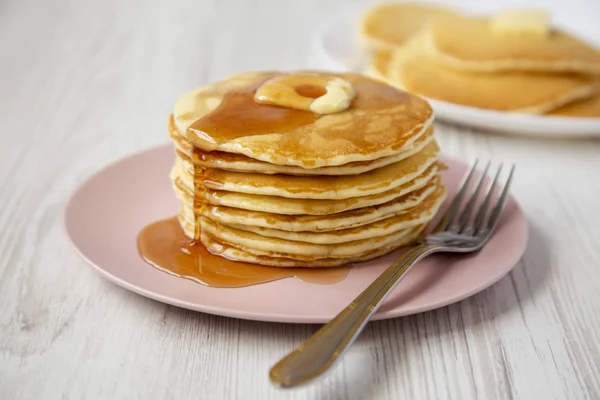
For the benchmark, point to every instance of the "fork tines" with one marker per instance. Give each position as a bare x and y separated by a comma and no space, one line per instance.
477,206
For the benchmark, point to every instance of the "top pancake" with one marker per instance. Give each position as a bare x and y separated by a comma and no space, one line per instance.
241,163
388,25
381,121
490,51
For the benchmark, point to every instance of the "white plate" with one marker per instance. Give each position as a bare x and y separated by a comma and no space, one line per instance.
335,47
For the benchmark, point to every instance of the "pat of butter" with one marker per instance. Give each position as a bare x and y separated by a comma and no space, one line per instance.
534,23
340,94
282,91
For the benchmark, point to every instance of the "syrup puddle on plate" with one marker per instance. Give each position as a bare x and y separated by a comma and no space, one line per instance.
163,245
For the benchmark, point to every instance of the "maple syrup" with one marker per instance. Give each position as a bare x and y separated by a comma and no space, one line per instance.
163,245
239,115
311,91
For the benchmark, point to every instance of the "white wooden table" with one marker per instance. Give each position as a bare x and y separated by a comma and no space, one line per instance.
83,83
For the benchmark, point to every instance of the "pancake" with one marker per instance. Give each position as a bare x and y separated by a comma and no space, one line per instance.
241,163
189,215
489,51
388,25
418,215
586,108
189,222
273,169
236,254
322,187
378,68
275,247
413,69
321,223
274,204
380,122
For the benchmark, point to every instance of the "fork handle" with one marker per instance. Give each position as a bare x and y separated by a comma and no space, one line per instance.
321,350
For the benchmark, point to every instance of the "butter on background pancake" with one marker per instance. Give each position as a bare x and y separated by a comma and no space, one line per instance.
586,108
388,25
381,122
241,163
321,223
323,187
471,43
413,69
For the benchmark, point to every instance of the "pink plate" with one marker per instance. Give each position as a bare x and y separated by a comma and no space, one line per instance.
106,213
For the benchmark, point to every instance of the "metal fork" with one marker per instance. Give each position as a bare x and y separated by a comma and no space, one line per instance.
462,229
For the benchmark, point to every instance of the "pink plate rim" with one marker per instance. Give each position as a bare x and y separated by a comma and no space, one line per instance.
258,315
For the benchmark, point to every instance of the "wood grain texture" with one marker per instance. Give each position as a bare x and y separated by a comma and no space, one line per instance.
83,83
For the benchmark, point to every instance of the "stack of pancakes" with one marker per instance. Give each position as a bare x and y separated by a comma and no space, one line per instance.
513,62
281,187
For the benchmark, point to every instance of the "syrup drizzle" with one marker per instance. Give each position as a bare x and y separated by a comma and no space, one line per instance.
163,245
